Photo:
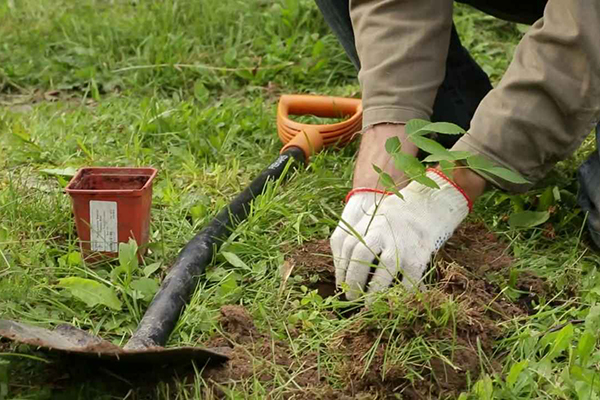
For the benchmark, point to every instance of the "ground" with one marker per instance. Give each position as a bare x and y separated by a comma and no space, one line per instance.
191,87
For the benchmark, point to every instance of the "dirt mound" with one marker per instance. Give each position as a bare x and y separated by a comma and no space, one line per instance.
462,289
237,323
462,269
481,253
441,375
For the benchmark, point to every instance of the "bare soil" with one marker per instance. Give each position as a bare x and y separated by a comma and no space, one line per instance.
253,352
313,260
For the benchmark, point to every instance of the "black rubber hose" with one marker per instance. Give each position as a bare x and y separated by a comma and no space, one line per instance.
177,288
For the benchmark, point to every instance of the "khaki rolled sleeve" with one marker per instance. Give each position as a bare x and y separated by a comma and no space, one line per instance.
549,99
402,46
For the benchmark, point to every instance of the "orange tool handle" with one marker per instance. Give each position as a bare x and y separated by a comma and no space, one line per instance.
311,138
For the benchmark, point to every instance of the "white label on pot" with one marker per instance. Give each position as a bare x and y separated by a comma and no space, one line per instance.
103,226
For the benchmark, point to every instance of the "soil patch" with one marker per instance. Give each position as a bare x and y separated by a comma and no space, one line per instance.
477,249
314,263
483,254
256,355
463,269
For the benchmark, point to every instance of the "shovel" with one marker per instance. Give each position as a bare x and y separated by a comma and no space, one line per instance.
146,346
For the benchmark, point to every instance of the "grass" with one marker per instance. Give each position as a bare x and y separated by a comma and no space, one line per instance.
190,87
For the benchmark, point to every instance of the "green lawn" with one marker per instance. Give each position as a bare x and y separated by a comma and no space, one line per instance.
190,87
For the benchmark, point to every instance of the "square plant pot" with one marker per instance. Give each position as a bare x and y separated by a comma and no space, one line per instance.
111,205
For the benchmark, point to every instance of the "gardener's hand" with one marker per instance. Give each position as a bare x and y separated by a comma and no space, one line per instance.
366,180
358,204
397,236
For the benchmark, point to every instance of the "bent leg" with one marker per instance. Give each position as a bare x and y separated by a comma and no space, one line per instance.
465,84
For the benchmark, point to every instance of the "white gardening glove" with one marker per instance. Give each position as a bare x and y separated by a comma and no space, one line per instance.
401,237
358,202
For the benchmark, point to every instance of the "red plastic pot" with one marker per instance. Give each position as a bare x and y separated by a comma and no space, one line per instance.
111,205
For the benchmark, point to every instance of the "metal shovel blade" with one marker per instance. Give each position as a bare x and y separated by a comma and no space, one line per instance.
71,340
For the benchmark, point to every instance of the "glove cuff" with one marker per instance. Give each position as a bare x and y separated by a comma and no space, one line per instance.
365,190
432,170
451,182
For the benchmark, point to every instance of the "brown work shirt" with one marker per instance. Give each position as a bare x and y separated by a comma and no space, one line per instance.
543,108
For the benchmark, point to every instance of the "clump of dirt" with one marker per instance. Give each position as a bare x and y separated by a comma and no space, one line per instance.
481,252
529,282
237,323
477,249
314,260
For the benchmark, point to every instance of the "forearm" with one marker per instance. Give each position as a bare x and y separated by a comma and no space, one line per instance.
402,46
372,152
549,99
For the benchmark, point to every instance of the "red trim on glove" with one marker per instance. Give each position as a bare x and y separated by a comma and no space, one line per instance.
444,177
365,190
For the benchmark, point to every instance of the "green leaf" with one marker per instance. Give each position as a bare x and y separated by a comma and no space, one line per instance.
450,156
517,202
445,127
546,200
478,162
528,219
228,286
460,155
562,341
415,125
592,320
556,193
91,292
484,388
245,74
590,377
74,258
424,180
318,48
19,131
432,158
234,260
587,344
69,171
387,181
430,146
482,164
94,90
393,145
201,93
84,148
421,128
447,168
147,286
508,175
128,256
408,164
515,372
151,268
